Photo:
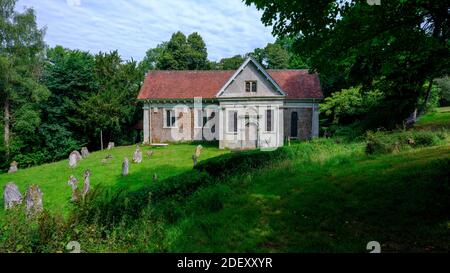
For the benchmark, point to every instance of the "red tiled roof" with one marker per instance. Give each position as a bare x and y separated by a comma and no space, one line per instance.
297,84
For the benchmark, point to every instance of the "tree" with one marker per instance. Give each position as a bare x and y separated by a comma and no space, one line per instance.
21,59
394,47
151,58
181,53
232,63
111,108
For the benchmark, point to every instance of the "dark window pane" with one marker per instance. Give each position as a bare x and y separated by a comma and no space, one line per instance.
168,118
247,86
269,120
253,86
235,122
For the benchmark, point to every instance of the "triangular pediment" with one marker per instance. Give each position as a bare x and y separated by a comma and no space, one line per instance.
250,71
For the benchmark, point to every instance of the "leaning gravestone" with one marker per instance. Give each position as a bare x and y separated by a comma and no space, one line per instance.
84,152
198,150
33,200
137,156
87,183
110,145
125,167
149,153
73,160
13,167
73,184
11,195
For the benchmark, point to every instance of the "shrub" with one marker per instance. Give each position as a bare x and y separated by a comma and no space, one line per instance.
384,142
242,162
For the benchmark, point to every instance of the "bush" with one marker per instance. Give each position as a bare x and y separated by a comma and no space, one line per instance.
242,162
384,142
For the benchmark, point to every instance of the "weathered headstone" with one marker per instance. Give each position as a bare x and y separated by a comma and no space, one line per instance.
110,145
13,167
108,156
73,183
104,161
149,153
79,157
11,195
198,150
73,160
125,167
33,200
155,177
84,152
87,183
137,156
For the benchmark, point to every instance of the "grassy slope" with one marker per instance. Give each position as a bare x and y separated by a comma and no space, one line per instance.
328,203
332,199
440,118
53,177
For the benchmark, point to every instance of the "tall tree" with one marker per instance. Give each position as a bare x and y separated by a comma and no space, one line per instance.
21,59
183,53
395,47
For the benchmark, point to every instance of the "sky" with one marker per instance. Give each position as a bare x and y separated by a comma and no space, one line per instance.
229,27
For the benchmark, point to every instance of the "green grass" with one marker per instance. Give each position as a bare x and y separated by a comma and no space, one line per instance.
334,200
53,177
439,118
331,197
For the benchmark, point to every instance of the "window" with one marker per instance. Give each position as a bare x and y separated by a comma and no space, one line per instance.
232,121
250,86
269,122
170,118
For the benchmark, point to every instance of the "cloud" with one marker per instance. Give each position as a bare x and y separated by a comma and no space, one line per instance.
74,3
133,26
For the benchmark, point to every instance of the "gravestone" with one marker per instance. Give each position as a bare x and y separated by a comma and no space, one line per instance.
198,150
125,167
137,156
11,195
110,145
73,183
13,167
87,183
73,160
108,156
84,152
78,155
104,161
155,177
33,201
149,153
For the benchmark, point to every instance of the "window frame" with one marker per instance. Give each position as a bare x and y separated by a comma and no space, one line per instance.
251,86
173,119
272,117
234,115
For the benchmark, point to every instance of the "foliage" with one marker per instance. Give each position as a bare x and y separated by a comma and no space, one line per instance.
384,143
394,47
181,53
348,104
21,61
444,86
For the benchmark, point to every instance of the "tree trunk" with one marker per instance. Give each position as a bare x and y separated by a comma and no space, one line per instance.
427,96
7,126
101,140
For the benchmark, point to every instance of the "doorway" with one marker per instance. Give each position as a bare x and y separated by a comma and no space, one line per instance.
294,124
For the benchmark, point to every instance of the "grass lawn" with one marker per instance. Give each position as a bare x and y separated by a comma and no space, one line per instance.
52,178
439,118
334,200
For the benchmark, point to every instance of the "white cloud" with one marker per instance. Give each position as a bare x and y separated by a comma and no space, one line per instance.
133,26
74,3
